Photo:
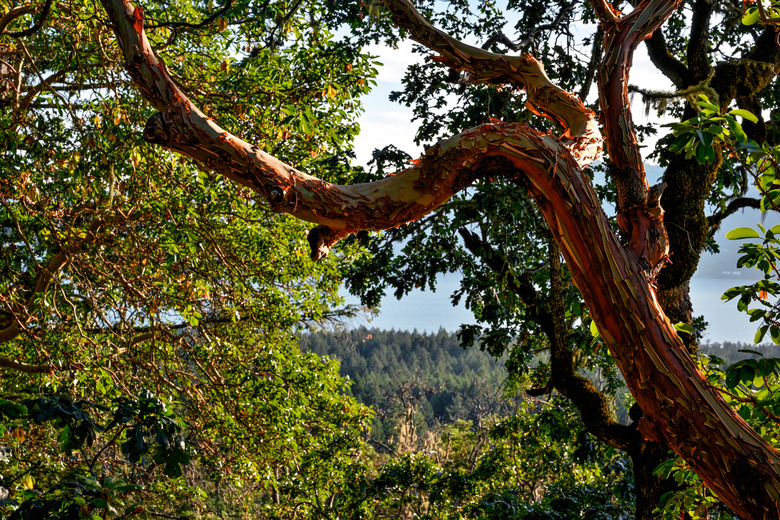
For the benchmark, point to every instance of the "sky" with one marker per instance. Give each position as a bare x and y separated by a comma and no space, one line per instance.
386,123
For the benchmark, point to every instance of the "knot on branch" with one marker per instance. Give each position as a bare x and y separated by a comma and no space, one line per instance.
157,130
276,195
644,233
649,430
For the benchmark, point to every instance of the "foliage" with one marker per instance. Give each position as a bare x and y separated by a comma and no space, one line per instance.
696,136
753,14
471,456
278,427
496,469
125,271
128,277
764,292
752,387
146,433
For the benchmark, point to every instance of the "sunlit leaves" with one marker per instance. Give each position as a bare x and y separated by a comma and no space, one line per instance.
763,256
698,136
176,280
742,232
756,11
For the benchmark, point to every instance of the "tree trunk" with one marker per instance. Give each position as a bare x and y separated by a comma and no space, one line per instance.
648,487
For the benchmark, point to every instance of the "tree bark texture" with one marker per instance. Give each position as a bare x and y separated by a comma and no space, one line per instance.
615,277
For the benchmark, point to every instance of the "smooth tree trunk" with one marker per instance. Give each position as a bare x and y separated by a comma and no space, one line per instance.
615,276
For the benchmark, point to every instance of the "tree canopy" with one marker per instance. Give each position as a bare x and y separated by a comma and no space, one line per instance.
133,265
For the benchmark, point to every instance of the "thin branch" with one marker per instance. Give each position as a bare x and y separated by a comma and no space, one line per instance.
13,14
716,219
206,21
23,312
593,404
529,37
593,63
30,369
38,23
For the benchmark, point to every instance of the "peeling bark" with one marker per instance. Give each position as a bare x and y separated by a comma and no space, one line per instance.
679,405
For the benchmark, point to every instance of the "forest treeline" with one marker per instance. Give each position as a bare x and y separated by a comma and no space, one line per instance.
433,378
429,375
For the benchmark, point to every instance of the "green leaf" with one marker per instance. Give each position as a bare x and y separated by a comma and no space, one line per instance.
594,330
735,127
742,233
751,16
707,108
731,293
774,333
745,114
11,410
709,154
760,334
747,374
732,378
684,327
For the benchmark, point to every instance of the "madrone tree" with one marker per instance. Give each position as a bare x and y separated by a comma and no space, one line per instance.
520,294
615,275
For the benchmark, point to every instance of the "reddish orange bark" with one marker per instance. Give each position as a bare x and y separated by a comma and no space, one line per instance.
615,278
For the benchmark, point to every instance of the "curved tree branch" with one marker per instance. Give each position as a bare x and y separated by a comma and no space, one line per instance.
621,39
13,14
209,19
37,25
593,404
735,205
30,369
22,313
524,72
665,61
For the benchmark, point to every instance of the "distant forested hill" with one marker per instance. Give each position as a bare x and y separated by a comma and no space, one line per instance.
733,352
427,375
425,380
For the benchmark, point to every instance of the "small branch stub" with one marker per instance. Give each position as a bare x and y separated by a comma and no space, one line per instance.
156,131
321,239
